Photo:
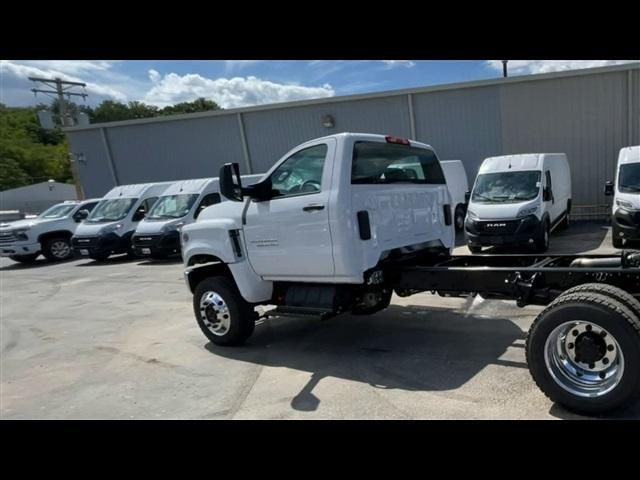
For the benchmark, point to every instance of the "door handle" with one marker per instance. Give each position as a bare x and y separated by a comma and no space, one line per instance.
313,206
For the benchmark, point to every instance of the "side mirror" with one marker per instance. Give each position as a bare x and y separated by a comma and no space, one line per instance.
81,215
608,188
230,182
467,197
139,215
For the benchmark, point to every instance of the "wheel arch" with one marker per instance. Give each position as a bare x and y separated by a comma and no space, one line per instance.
43,237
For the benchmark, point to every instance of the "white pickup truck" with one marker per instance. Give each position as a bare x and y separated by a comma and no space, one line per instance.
48,234
340,223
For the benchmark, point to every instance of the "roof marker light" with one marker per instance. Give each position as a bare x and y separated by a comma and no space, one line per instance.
398,140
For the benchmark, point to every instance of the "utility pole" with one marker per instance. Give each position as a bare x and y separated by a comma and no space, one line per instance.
60,88
504,68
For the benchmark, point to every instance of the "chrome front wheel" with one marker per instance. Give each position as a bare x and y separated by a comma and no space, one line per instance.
214,313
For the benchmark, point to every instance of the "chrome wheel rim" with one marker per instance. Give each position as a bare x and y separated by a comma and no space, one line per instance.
584,359
60,249
214,313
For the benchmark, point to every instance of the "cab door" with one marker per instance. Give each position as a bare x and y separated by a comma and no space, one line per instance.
288,235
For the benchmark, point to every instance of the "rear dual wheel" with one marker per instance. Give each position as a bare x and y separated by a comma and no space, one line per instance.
583,350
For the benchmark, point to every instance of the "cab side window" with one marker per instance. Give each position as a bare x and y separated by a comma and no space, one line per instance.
300,174
209,199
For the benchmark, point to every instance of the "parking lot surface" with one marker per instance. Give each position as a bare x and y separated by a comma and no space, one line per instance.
118,340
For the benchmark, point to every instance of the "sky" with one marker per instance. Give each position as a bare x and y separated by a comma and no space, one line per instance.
241,83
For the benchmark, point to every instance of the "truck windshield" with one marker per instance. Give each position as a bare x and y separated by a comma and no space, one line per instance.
506,187
376,162
58,211
629,179
111,209
172,206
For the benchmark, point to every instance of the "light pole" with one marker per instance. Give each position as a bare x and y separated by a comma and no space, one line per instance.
504,68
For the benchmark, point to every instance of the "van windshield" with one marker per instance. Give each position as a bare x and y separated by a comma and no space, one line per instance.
629,179
506,187
111,209
172,206
58,211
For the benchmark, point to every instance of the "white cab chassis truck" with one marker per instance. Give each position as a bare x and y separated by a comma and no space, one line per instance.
625,215
48,234
341,222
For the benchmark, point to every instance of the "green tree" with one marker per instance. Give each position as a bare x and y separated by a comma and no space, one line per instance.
199,105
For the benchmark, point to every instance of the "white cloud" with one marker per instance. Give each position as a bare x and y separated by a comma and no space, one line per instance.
154,76
389,64
229,92
522,67
65,69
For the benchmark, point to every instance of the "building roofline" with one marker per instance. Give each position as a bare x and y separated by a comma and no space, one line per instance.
363,96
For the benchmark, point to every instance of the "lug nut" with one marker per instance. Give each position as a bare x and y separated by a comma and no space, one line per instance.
570,346
588,327
610,348
575,333
603,333
605,360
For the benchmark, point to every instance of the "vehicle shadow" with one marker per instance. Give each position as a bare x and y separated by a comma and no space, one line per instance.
410,348
627,413
114,260
41,262
150,262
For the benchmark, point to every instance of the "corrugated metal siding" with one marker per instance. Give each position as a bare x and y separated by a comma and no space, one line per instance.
270,134
584,117
460,124
635,109
95,175
175,150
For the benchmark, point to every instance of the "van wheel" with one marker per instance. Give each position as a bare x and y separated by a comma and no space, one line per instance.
459,218
222,314
616,241
564,224
542,242
57,249
25,258
583,351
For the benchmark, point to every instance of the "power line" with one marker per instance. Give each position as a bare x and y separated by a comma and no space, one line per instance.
61,89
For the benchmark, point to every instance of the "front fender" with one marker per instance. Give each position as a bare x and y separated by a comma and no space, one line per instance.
209,237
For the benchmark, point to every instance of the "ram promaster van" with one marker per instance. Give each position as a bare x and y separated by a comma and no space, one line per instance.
48,234
109,227
458,185
158,235
519,200
625,219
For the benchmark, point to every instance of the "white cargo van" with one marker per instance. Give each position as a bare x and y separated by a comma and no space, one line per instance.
519,199
625,219
48,234
109,227
158,235
458,186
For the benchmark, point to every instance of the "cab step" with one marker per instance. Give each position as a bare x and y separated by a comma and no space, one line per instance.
287,311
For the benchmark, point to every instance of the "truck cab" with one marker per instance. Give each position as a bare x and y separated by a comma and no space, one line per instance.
158,234
320,222
625,218
519,200
48,234
109,227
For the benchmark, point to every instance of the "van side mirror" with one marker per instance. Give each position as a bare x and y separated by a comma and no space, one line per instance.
139,215
81,215
608,188
467,197
230,182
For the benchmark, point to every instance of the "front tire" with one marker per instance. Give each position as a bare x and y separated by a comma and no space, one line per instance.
616,241
459,218
583,352
222,314
542,242
57,249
